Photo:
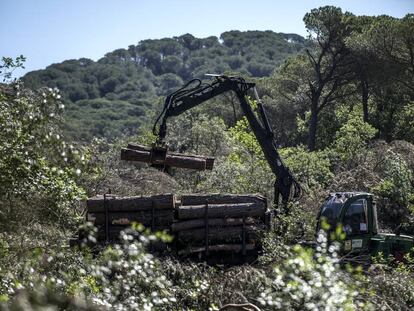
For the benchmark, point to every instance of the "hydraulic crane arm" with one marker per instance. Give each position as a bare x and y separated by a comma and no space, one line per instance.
195,92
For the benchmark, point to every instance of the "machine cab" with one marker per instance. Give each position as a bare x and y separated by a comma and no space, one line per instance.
356,213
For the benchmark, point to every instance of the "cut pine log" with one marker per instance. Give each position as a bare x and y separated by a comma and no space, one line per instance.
138,147
218,198
114,231
130,204
171,159
180,161
186,162
222,210
136,155
217,248
197,223
222,234
209,160
161,217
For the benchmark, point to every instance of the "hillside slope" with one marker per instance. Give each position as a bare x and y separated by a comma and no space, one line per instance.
114,95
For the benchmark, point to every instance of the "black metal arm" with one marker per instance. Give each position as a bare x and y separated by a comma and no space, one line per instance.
195,92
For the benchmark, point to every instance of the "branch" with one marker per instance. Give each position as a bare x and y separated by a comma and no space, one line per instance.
244,307
310,56
405,83
326,98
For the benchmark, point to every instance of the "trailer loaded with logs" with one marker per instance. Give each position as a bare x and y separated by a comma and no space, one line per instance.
111,214
199,223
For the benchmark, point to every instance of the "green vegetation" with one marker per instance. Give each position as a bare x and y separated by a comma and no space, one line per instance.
114,95
341,104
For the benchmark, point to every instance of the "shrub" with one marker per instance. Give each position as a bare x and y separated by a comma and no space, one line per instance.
122,277
395,190
312,169
37,168
308,281
352,138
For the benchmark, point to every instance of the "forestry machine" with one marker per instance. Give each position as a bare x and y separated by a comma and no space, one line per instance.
355,211
196,92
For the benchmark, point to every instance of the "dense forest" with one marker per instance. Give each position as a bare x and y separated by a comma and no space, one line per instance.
114,95
340,102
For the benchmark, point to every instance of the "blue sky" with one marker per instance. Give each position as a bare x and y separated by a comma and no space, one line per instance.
50,31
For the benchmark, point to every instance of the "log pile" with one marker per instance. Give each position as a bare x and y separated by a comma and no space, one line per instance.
219,222
159,157
112,214
199,223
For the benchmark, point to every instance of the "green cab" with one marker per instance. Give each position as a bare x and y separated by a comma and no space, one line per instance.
357,214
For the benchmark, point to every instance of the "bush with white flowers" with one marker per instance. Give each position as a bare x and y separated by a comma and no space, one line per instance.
310,280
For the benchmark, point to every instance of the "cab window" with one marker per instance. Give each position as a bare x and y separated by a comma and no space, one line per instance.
356,218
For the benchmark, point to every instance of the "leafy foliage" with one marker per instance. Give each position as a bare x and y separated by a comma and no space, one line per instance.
312,169
311,283
110,97
395,189
352,138
35,165
9,65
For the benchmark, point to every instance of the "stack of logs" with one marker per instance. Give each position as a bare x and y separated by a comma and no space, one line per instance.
218,222
199,223
112,214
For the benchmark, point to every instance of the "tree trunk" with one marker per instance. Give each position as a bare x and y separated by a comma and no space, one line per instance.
218,247
209,160
199,223
130,204
222,210
218,198
173,160
161,217
216,234
364,97
114,231
313,124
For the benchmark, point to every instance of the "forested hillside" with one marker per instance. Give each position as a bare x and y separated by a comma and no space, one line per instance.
114,95
341,104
